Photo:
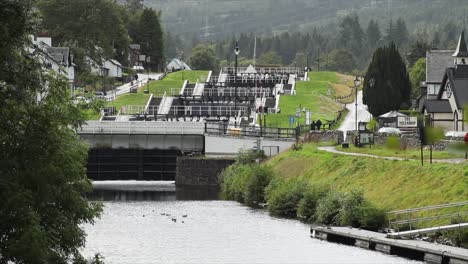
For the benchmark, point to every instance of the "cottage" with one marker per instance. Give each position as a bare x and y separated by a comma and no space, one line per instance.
135,57
446,110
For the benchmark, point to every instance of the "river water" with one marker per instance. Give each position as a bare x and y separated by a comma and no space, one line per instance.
212,231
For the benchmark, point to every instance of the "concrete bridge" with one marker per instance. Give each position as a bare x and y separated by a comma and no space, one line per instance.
148,150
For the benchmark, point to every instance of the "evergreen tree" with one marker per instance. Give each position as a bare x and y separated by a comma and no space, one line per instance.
417,51
149,35
351,34
387,86
373,34
401,34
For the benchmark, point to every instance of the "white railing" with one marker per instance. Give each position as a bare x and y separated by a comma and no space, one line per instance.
137,127
269,70
231,110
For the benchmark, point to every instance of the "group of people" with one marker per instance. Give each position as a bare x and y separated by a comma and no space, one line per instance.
316,125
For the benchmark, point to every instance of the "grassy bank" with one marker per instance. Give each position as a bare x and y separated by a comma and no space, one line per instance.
175,80
139,98
390,185
312,95
383,151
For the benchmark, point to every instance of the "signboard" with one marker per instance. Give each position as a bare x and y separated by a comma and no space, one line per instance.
407,121
292,120
366,138
142,58
308,118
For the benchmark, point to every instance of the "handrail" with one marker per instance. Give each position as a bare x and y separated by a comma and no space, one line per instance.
439,206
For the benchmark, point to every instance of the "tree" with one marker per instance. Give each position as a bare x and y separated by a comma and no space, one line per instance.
270,57
387,86
373,34
351,34
401,34
105,36
417,51
42,161
149,35
417,75
341,60
203,58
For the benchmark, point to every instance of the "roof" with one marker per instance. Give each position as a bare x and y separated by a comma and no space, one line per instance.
392,114
461,51
60,54
250,70
436,63
178,64
115,62
437,106
458,77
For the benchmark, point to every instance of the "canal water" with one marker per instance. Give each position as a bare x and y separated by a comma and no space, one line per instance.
168,227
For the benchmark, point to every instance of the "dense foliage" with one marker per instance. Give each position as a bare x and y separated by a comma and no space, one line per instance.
387,86
42,161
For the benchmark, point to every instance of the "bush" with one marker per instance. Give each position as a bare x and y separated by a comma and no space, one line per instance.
349,213
249,156
283,197
328,209
257,182
233,181
308,205
370,217
393,143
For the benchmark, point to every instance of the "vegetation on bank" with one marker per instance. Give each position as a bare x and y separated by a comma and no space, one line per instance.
258,185
320,187
312,95
411,153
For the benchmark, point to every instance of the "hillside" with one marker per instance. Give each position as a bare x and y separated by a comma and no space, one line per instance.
214,19
389,184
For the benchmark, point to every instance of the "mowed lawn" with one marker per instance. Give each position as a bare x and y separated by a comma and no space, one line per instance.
175,80
312,95
139,98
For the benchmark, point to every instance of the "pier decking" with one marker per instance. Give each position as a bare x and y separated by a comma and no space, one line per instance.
420,250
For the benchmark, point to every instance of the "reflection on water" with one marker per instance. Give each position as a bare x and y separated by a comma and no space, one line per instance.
150,191
175,231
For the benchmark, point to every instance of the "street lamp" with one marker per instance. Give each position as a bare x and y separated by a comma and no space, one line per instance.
236,52
357,82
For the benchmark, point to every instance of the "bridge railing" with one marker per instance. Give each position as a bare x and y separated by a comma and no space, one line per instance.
139,127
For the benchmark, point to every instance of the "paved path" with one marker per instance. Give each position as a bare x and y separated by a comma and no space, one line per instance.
334,150
349,123
125,88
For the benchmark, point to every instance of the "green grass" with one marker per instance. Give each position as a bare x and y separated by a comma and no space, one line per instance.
383,151
389,184
90,114
139,98
175,80
313,96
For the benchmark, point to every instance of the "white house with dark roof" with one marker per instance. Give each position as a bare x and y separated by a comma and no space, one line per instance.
446,110
58,59
177,65
109,68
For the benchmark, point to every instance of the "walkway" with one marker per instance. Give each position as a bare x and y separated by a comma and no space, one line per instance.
125,88
349,123
334,150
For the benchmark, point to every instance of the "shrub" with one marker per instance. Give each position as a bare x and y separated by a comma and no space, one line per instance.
233,181
308,205
283,197
328,208
349,213
257,182
249,156
393,142
370,217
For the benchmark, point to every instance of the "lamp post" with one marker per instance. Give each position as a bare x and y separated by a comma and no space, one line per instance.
357,82
236,52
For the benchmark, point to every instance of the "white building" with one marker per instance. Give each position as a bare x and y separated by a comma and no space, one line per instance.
109,68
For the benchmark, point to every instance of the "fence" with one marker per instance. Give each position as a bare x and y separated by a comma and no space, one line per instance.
137,127
220,128
435,215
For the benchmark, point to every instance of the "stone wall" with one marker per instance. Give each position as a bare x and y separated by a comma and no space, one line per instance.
199,171
408,140
334,136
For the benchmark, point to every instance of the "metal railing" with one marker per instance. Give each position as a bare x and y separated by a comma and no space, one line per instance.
226,129
138,127
231,110
438,214
265,70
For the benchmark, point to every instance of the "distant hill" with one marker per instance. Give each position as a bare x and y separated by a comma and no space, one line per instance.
214,19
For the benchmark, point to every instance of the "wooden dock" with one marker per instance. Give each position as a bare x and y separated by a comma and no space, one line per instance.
419,250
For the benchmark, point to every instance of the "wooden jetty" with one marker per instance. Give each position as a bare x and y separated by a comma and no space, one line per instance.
419,250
